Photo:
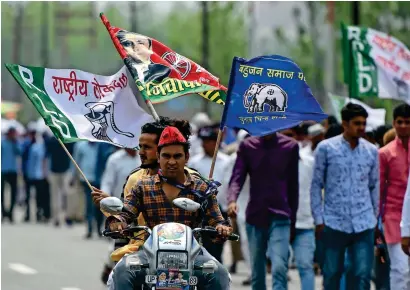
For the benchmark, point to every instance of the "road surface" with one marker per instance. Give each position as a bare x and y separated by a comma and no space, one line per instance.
43,257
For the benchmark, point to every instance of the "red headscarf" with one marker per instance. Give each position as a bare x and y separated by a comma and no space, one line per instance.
171,135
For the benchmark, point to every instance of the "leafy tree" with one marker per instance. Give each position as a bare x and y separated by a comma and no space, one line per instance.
390,17
182,32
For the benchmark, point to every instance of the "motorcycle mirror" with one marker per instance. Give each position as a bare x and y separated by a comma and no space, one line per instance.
111,205
186,203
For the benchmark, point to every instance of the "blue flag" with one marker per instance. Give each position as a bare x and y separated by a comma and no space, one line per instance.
268,94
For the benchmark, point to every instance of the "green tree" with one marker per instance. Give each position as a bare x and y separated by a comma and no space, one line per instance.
181,31
389,17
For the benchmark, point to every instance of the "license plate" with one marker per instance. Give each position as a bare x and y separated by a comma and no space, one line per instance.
150,279
174,280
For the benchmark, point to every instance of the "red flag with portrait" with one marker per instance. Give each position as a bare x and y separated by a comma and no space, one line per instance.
159,72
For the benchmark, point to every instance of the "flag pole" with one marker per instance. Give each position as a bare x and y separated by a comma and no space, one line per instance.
223,117
124,55
218,142
75,163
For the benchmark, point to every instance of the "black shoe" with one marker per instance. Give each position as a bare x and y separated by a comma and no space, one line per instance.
88,236
56,224
69,222
247,282
105,274
232,269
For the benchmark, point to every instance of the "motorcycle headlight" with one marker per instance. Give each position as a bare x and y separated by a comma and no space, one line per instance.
172,260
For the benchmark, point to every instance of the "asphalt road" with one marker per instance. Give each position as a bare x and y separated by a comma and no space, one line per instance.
42,257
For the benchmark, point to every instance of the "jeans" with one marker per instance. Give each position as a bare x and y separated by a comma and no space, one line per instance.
304,249
362,254
91,211
42,188
381,274
346,282
11,179
125,278
214,249
273,240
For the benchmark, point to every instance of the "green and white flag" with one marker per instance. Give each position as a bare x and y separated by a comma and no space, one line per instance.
78,105
375,64
377,117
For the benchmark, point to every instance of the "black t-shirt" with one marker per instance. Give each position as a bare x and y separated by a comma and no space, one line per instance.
59,160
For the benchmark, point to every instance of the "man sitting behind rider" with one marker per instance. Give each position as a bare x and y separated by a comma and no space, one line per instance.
152,196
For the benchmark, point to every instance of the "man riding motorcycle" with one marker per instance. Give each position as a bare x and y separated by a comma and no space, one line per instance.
153,195
148,142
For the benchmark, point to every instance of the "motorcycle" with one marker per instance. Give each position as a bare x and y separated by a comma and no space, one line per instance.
171,248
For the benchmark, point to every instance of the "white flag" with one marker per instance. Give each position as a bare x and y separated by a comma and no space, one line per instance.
78,105
377,117
375,64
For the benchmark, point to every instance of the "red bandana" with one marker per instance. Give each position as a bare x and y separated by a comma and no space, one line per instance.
171,135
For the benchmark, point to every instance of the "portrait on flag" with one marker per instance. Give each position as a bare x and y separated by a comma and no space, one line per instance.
139,51
160,73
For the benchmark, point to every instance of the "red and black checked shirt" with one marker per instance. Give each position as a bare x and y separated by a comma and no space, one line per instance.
148,198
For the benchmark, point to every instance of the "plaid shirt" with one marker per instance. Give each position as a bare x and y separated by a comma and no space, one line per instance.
148,198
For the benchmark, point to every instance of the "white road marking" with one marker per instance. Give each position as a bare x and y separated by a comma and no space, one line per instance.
22,269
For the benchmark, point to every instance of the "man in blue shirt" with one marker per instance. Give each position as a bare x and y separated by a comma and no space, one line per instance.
85,154
10,151
37,170
347,168
25,148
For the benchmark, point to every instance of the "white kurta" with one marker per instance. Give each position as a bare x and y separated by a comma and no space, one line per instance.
202,163
118,167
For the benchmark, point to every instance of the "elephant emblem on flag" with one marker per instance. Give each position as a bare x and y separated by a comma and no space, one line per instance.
101,116
265,94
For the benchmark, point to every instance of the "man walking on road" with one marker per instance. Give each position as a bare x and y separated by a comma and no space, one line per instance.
272,164
347,168
394,171
405,225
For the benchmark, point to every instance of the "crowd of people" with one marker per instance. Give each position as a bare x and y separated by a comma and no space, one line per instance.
321,197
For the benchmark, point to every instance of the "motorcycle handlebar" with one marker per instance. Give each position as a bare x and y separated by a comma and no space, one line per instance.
213,232
127,232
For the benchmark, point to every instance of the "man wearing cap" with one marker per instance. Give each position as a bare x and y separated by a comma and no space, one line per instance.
148,144
152,196
202,162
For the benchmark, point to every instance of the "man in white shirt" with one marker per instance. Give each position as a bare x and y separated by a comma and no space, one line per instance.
405,224
242,202
304,243
202,163
198,121
119,166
